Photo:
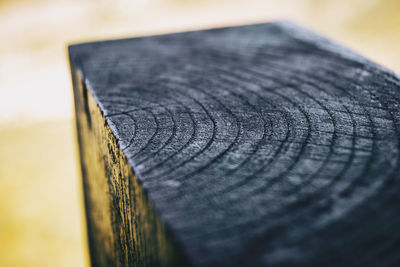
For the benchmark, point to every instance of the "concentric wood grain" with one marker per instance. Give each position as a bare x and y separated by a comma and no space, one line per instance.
255,145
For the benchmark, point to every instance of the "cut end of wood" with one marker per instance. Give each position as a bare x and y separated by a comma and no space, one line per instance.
255,145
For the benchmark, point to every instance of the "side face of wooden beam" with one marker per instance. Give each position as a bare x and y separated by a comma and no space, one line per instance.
123,228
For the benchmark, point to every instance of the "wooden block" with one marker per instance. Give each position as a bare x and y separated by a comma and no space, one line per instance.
255,145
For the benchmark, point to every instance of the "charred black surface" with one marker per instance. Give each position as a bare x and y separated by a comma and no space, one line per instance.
255,145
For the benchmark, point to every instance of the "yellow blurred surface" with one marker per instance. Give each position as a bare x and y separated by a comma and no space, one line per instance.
41,222
41,207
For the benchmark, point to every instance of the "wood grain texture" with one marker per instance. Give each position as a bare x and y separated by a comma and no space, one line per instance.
122,225
255,145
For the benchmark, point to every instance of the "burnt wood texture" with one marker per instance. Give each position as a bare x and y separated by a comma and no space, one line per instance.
257,145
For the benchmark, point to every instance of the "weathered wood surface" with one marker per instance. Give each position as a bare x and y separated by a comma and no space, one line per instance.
245,146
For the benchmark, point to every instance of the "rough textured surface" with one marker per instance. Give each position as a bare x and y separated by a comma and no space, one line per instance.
122,225
256,145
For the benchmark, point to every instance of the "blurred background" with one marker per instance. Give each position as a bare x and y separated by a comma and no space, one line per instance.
41,204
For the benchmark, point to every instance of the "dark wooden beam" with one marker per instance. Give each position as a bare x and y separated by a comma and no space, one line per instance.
255,145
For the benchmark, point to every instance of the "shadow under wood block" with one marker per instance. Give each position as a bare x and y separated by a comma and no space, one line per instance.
255,145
